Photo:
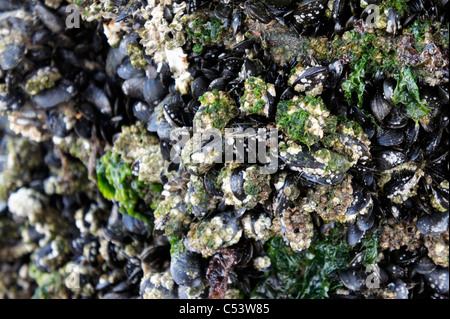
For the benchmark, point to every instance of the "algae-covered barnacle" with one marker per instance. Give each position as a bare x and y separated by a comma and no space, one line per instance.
438,248
171,214
21,158
208,235
158,286
296,226
305,119
395,235
163,40
198,198
216,110
133,141
137,146
49,285
198,156
204,31
258,96
42,79
70,179
136,55
29,205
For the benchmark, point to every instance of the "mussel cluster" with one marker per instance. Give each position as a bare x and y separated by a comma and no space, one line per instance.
224,149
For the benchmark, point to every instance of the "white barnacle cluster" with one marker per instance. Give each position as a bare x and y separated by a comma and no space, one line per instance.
159,286
258,228
209,235
163,41
26,203
171,215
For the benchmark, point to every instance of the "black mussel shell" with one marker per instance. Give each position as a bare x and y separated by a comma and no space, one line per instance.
380,107
199,86
438,280
56,95
433,224
388,159
353,279
354,235
142,111
399,288
425,265
361,200
154,92
127,71
100,99
134,87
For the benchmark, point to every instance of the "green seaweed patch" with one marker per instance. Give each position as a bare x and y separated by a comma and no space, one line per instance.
356,82
307,275
176,245
400,6
369,244
407,93
116,182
